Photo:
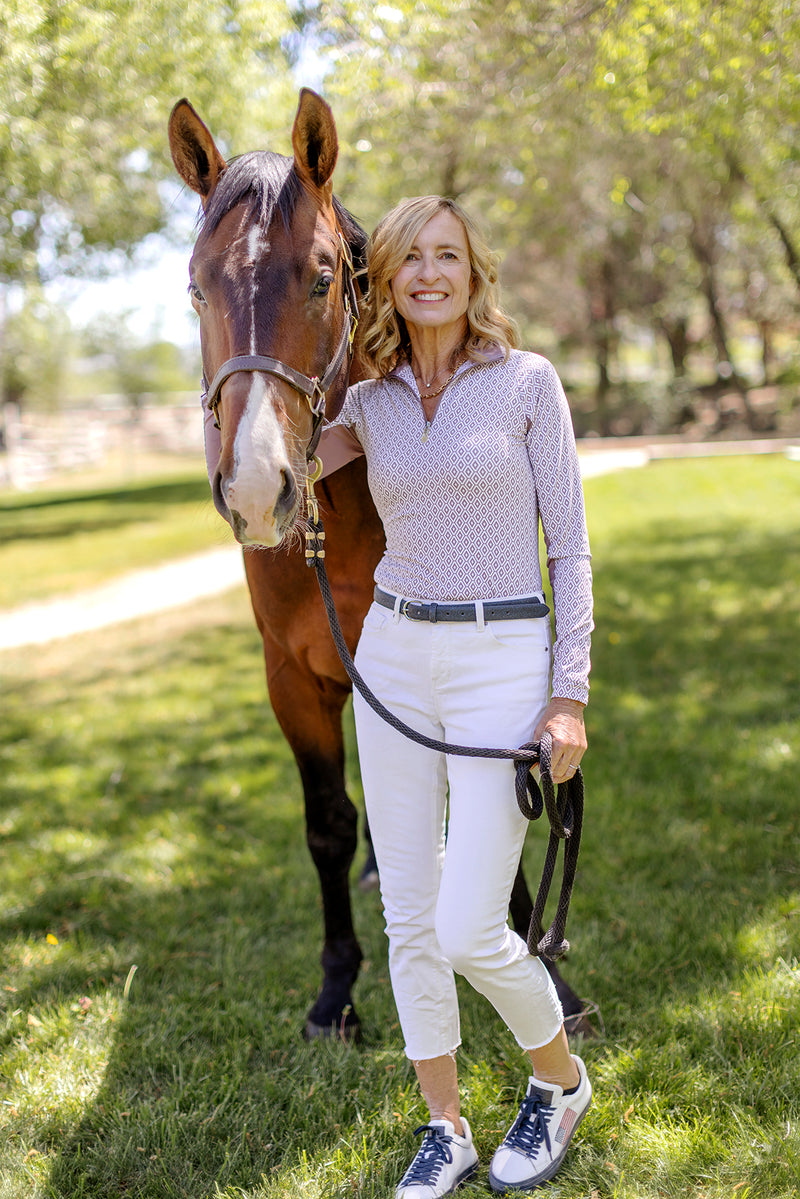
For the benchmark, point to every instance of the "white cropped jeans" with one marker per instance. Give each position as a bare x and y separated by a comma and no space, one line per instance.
446,898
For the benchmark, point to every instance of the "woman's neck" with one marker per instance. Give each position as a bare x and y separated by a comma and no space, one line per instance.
434,352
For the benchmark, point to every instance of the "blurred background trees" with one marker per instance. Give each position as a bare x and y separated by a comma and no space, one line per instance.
635,162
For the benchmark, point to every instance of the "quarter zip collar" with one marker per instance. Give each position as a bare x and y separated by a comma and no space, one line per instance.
404,374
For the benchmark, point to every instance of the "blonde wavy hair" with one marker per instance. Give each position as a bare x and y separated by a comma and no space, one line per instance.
385,339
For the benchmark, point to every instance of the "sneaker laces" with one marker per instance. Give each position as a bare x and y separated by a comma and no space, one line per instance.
433,1154
530,1127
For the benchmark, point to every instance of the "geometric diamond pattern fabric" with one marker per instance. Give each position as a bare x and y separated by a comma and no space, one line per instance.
461,506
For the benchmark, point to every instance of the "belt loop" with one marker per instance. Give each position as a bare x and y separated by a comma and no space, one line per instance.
479,619
398,599
432,612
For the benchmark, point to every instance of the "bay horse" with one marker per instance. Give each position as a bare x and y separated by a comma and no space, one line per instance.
272,281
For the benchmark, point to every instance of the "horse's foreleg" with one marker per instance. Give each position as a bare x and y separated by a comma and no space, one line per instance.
309,712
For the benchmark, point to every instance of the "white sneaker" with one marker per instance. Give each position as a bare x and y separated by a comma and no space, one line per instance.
534,1146
443,1162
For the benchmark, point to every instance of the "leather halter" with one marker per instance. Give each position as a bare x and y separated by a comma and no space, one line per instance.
313,388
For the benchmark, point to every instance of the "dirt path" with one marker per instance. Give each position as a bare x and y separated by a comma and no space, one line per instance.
125,598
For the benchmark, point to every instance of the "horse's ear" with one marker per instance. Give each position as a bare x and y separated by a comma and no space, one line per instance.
314,140
197,159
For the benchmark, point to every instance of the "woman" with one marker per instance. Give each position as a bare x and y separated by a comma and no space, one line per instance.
469,446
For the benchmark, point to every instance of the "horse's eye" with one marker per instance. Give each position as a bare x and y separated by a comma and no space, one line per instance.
196,294
322,286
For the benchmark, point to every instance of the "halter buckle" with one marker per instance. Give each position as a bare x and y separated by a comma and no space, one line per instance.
316,400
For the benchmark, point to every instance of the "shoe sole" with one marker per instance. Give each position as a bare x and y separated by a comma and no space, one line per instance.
468,1173
502,1188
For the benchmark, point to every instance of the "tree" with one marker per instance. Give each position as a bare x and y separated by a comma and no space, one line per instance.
37,343
86,90
607,146
141,369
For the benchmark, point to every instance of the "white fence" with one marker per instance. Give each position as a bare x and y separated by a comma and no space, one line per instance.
36,445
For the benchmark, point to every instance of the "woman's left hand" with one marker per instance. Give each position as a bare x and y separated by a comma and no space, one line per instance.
563,720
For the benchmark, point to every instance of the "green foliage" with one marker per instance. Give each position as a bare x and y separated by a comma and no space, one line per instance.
138,368
87,89
36,346
635,161
151,818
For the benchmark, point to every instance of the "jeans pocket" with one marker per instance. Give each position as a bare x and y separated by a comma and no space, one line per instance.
525,635
377,618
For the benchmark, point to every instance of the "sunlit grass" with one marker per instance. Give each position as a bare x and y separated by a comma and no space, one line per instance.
161,925
62,539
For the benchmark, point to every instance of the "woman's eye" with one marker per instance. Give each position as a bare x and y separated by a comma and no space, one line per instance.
322,286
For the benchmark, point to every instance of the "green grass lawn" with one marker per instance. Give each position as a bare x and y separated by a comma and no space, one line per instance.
160,918
77,533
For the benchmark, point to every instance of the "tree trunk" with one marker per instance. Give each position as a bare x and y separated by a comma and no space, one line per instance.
719,329
765,330
602,303
677,334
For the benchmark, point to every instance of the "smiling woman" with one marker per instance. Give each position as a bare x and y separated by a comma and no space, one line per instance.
461,506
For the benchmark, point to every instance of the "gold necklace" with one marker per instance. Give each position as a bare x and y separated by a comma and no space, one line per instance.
431,395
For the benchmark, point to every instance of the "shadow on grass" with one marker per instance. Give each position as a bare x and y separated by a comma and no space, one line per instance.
155,815
157,812
43,516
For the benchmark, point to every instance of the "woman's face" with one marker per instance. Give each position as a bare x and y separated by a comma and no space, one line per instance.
431,290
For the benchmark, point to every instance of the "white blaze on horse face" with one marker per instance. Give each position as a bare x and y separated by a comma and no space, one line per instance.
254,247
261,470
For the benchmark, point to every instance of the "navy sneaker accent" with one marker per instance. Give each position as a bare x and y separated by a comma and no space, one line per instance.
444,1160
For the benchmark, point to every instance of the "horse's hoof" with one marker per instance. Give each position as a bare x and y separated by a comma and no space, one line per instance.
349,1033
369,880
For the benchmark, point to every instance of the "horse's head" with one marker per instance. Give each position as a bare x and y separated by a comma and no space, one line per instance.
271,281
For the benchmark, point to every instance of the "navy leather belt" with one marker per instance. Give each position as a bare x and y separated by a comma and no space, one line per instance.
513,609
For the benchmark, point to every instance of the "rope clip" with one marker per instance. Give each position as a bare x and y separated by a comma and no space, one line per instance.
315,534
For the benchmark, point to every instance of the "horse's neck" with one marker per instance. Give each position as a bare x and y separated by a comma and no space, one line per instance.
359,368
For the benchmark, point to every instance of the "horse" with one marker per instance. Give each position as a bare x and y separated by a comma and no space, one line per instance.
274,279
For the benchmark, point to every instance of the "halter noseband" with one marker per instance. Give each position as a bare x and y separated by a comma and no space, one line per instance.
313,388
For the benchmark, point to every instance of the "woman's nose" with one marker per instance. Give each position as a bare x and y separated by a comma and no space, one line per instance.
428,268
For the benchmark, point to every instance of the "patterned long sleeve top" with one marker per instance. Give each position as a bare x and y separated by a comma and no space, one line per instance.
461,500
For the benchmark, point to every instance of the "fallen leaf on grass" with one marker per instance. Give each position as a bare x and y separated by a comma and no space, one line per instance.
33,1021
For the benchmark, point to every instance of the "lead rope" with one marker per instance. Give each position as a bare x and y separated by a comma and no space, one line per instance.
564,811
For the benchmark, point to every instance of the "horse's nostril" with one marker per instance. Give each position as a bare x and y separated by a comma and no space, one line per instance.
218,494
287,498
238,524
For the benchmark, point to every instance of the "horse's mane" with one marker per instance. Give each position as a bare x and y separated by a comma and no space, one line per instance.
269,182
